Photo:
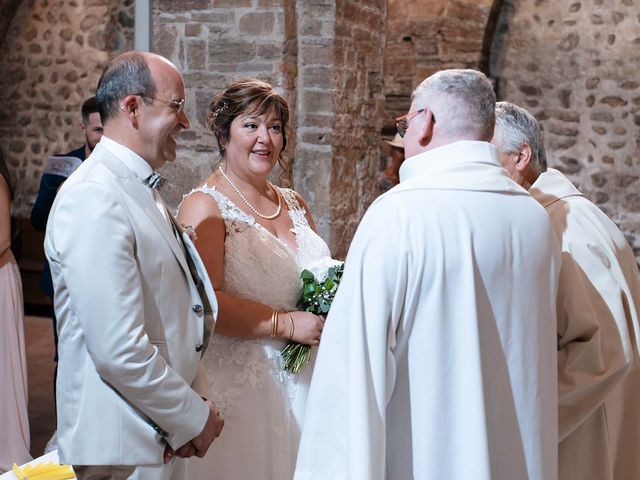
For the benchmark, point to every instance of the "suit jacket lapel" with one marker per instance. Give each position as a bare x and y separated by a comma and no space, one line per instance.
132,186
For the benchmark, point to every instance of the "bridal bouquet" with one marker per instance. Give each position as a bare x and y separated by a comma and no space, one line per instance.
319,285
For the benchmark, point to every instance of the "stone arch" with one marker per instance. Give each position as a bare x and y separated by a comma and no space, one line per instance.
424,36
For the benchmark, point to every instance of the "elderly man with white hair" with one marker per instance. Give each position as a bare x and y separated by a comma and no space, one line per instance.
437,359
597,307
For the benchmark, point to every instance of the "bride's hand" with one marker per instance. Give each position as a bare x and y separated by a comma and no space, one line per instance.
307,327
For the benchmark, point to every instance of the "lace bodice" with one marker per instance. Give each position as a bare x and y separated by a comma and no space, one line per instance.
257,265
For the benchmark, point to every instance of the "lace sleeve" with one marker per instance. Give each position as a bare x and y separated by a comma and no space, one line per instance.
235,220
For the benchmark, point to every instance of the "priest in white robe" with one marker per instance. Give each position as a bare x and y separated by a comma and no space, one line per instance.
437,359
597,307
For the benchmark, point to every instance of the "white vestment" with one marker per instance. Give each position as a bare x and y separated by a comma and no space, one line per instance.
598,304
437,360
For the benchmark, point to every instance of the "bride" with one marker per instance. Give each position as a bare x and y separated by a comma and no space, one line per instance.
255,239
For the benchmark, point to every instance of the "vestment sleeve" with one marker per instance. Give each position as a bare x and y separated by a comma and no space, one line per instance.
345,422
595,332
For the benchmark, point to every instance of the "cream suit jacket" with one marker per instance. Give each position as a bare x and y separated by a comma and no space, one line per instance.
134,315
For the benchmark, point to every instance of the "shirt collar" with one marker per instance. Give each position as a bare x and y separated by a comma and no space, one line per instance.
131,159
463,165
442,158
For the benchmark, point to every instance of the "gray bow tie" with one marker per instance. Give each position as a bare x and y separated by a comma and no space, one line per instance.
155,181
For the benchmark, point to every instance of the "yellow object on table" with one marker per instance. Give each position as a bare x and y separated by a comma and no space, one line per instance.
44,471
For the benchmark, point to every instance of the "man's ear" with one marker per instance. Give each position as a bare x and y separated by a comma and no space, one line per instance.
524,157
129,107
426,128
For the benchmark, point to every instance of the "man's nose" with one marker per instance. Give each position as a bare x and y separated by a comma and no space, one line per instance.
183,120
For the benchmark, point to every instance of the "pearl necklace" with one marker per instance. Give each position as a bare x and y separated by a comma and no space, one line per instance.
266,217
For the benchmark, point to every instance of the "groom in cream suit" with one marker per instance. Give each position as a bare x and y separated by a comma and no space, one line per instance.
135,307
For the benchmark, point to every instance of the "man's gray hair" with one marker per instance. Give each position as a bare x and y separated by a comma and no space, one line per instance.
515,127
127,74
462,102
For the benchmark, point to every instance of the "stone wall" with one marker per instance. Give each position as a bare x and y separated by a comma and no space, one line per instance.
358,103
574,65
54,53
214,45
424,36
347,68
315,23
325,57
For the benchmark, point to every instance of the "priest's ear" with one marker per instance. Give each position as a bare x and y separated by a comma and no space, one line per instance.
524,157
426,127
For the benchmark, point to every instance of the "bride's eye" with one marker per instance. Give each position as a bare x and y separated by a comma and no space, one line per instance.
276,128
250,125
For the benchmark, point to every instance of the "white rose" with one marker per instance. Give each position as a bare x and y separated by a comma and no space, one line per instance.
320,268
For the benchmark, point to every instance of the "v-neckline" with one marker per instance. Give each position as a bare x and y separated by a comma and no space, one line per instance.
263,229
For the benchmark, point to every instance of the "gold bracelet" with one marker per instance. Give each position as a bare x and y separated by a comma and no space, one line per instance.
292,329
274,323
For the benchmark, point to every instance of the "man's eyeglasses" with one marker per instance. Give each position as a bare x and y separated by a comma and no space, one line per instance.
178,105
402,123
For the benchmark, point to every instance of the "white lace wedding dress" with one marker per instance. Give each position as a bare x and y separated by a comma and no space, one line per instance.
263,406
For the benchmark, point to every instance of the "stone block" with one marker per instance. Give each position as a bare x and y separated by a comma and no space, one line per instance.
613,101
314,101
180,6
195,55
316,55
165,40
269,51
255,67
317,76
601,117
231,3
257,23
192,29
230,51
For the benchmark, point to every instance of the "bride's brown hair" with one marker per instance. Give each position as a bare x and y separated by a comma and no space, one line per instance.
248,97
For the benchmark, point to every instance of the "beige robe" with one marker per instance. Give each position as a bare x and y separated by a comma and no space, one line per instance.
598,304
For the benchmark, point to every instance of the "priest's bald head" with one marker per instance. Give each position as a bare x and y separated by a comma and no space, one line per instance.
519,140
449,106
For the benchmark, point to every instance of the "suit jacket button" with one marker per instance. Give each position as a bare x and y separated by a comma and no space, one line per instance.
199,347
197,308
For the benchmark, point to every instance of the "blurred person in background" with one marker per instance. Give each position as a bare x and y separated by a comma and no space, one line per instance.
389,177
14,422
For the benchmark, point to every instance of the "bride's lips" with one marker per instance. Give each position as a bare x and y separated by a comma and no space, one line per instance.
262,153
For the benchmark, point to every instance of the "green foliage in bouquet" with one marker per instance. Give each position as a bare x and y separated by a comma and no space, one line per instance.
316,298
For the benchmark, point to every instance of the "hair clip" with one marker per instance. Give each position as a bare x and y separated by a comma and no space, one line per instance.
220,109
